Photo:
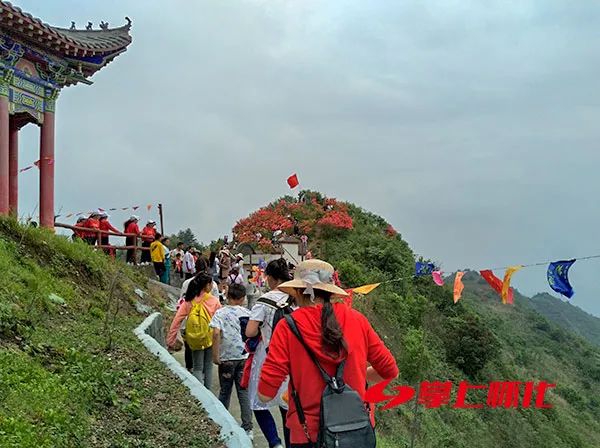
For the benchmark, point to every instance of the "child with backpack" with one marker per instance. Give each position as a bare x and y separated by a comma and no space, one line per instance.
198,308
324,348
266,313
229,353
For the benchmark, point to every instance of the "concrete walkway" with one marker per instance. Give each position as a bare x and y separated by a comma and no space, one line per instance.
234,407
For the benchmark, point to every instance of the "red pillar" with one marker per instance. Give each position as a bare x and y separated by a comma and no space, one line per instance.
13,170
47,171
4,131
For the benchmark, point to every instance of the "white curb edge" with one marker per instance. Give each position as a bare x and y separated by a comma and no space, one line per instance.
231,432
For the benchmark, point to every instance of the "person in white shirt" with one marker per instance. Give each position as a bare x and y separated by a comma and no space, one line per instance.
240,265
178,250
189,263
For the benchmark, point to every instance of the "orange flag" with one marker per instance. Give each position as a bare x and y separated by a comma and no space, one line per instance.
458,286
366,289
506,283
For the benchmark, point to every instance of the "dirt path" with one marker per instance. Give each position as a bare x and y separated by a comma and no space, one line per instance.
234,408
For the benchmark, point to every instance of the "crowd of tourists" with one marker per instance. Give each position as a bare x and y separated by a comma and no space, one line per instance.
298,350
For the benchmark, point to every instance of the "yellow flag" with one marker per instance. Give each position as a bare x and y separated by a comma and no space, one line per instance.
366,289
506,283
458,286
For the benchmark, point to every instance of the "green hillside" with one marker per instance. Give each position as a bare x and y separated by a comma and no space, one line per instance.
478,340
72,373
567,316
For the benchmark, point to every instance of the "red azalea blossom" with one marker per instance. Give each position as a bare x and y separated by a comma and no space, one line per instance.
336,219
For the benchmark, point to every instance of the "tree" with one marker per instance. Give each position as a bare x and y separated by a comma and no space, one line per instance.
186,237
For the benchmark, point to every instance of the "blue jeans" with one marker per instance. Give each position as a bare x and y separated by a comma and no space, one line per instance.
230,373
202,366
268,427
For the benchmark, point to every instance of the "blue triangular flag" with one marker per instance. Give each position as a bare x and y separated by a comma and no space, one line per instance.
558,277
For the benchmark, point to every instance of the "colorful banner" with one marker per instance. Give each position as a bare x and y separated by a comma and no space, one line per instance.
496,284
103,210
422,268
506,283
458,286
437,278
366,289
558,277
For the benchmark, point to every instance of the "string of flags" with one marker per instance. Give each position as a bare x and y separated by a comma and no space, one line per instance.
557,276
37,163
103,210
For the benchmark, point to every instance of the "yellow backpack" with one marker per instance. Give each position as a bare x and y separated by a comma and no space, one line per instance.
198,334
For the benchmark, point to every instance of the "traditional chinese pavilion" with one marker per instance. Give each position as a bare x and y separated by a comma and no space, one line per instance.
36,61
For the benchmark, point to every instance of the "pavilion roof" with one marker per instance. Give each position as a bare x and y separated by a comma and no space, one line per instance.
66,43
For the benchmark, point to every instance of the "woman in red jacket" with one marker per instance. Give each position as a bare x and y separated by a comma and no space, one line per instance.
131,228
334,332
148,237
104,239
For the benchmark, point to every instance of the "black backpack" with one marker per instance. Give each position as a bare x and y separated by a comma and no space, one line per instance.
281,309
344,420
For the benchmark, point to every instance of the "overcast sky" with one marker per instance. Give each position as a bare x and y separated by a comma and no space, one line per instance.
471,126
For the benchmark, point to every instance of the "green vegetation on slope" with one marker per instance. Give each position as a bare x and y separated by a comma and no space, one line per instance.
73,374
567,316
478,340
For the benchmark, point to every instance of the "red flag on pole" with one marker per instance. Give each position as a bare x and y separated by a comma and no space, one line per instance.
293,181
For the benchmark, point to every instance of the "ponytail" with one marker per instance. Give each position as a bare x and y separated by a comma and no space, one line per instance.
197,285
332,338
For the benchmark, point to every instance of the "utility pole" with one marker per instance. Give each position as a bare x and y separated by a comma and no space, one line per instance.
162,223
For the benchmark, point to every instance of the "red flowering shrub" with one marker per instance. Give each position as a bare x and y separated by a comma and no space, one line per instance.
284,214
336,219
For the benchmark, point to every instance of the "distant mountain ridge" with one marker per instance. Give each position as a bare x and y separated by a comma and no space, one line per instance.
568,316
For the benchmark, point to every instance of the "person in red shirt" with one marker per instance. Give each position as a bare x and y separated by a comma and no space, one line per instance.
104,239
148,236
92,223
131,228
346,334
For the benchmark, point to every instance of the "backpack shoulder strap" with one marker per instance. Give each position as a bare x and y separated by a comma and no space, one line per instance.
292,324
270,302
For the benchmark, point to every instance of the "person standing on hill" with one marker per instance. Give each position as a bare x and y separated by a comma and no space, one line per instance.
131,230
213,266
197,295
79,234
166,278
106,226
157,255
148,236
239,263
262,323
341,340
225,267
201,263
189,263
178,250
93,224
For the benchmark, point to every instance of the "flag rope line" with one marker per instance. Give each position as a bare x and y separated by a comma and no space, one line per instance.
541,263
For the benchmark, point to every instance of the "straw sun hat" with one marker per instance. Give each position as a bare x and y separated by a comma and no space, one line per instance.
310,275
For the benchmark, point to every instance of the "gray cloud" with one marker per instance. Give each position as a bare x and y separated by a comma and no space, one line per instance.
471,126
